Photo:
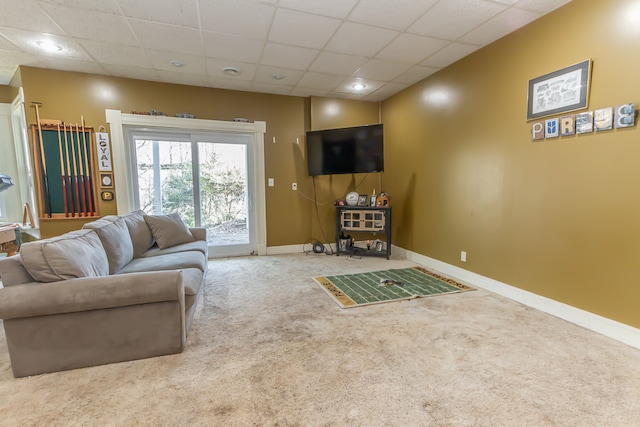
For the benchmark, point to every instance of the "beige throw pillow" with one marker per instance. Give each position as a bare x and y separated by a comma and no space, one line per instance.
168,230
72,255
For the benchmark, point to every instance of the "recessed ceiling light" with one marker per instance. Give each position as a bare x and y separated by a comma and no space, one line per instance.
48,45
231,71
358,86
177,63
279,76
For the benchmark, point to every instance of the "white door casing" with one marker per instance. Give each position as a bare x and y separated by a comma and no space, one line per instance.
122,165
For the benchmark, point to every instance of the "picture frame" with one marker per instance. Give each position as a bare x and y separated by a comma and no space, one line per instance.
362,200
563,90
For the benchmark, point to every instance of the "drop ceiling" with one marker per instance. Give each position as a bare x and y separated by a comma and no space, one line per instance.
289,47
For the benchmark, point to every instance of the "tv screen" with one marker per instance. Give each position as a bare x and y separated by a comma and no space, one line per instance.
345,150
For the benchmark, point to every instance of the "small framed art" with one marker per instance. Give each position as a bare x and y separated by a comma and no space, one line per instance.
560,91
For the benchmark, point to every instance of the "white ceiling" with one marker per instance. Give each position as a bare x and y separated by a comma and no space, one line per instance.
319,47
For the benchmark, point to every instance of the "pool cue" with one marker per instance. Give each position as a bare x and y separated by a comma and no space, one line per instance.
75,170
66,150
64,178
45,177
87,165
81,176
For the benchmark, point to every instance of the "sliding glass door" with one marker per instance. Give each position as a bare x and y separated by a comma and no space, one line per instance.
203,177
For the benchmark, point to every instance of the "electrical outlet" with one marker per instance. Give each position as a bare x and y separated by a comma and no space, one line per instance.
294,186
463,256
271,182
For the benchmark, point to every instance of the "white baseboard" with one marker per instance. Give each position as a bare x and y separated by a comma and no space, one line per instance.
602,325
287,249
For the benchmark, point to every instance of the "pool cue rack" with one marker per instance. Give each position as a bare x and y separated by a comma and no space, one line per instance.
64,170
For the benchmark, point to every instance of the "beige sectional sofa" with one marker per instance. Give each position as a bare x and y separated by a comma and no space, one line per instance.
122,288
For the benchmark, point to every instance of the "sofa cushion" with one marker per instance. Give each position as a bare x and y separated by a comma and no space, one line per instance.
72,255
140,233
177,261
198,245
168,230
116,241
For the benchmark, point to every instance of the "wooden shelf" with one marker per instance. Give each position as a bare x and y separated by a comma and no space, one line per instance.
363,219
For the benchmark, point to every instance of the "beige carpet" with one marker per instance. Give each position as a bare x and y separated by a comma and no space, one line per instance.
268,348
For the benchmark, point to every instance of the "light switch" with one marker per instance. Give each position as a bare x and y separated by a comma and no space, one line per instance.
270,182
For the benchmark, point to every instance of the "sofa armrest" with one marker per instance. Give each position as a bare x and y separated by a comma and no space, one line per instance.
199,233
90,293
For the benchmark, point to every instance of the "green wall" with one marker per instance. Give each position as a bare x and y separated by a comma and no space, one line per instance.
559,217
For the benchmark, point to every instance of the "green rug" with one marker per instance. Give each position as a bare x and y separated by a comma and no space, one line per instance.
356,290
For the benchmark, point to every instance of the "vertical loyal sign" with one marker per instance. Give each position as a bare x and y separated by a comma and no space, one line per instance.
104,152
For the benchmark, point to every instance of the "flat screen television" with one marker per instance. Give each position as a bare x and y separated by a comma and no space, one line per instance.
357,149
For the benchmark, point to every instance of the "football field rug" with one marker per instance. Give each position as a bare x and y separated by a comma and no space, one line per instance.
359,289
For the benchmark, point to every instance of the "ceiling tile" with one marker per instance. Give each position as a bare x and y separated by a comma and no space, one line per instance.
467,14
501,24
543,6
415,74
182,79
387,90
320,81
265,74
337,63
270,88
132,72
377,69
360,39
232,47
279,55
86,24
215,69
322,47
238,17
333,8
110,53
161,60
106,6
9,58
222,83
347,86
26,41
411,49
15,16
177,12
302,29
378,12
6,44
67,64
449,55
167,37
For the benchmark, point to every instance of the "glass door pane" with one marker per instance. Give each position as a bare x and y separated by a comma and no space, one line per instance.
165,178
224,193
203,177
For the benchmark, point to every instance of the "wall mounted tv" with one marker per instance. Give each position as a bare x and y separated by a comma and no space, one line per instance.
346,150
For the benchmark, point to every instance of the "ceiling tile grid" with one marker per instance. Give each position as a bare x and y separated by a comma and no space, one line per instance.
354,49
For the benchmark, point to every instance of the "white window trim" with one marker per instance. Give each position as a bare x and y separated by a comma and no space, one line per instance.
123,174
